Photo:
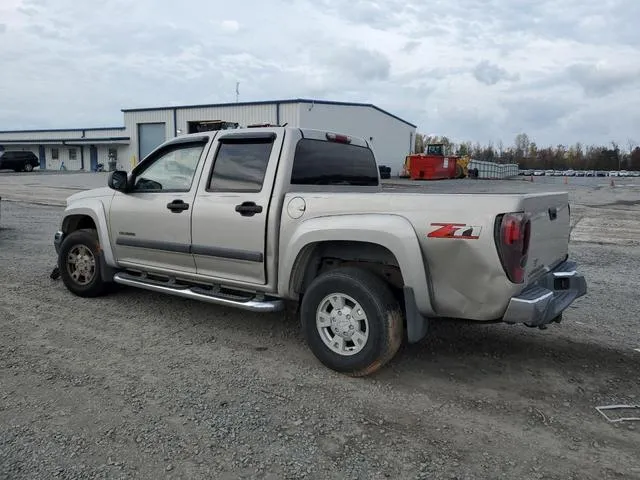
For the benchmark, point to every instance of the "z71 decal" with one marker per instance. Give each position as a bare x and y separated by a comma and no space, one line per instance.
455,230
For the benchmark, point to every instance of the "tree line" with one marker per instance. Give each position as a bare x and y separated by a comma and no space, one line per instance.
528,155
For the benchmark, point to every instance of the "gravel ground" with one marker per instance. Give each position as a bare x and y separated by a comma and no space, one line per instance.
139,385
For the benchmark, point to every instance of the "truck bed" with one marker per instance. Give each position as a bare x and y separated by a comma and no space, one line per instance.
466,273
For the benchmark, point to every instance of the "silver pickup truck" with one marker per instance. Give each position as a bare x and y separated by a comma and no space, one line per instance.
261,218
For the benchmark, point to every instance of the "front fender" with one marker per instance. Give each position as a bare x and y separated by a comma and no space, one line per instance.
95,209
393,232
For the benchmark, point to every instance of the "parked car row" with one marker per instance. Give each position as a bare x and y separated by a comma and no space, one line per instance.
580,173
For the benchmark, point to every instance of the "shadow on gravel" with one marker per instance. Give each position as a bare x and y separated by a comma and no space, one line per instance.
519,343
497,357
515,359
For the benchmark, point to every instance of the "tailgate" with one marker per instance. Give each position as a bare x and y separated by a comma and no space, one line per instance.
550,229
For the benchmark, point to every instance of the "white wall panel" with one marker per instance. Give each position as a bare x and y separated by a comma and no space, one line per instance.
289,114
131,121
40,134
242,114
113,132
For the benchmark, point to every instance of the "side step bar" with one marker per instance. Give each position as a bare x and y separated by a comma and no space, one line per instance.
249,304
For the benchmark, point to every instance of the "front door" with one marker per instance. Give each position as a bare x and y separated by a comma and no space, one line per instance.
151,225
93,157
42,158
230,211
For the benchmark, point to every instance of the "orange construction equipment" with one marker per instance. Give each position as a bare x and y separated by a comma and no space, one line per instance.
434,164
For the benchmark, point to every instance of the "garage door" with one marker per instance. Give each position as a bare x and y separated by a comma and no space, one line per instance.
150,135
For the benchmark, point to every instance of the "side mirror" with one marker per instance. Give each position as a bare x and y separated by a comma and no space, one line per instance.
118,180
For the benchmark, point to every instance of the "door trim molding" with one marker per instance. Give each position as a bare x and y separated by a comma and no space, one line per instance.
201,250
153,244
229,253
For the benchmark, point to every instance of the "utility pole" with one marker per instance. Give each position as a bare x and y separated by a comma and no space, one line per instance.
237,91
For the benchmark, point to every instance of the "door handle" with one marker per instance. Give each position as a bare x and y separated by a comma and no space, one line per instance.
177,206
248,209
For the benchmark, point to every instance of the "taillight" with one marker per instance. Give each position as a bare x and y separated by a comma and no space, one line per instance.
513,232
336,137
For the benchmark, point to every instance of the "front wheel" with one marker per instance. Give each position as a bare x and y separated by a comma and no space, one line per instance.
351,321
79,264
28,167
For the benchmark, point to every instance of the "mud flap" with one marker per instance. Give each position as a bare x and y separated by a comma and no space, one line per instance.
55,274
417,325
106,272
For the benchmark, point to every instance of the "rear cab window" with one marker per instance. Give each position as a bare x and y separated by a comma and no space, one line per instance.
323,162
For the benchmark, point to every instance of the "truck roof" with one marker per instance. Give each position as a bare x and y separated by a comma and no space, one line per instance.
315,134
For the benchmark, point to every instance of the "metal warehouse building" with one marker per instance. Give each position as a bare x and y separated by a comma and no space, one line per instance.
391,137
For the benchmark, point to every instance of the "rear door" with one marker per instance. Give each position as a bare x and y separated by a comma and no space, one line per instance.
230,211
9,160
550,229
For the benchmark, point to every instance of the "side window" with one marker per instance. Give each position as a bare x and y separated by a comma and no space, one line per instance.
72,154
240,165
173,170
55,153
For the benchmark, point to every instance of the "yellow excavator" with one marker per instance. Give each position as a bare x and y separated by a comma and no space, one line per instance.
462,166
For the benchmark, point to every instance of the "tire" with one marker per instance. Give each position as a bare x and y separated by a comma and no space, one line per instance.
28,167
384,321
89,281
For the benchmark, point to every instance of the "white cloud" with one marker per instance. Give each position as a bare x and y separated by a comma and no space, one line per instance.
230,26
561,71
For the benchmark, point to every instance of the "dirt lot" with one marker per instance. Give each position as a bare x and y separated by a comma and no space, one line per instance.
138,385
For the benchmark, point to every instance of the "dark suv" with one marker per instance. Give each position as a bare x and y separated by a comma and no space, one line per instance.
18,161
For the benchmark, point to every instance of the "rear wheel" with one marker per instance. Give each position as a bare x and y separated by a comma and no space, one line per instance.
28,167
351,321
79,264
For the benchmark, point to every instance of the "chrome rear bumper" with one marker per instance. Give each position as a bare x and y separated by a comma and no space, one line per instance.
544,301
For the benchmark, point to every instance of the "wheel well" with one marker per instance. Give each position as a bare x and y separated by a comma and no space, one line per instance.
320,257
77,222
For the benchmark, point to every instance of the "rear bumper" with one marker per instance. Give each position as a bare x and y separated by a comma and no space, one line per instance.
543,301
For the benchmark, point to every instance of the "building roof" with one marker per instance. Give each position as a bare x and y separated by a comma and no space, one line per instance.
66,141
270,102
90,129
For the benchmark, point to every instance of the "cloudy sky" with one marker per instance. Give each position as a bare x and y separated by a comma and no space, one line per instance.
562,71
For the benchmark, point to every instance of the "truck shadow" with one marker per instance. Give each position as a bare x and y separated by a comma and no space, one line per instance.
507,361
497,357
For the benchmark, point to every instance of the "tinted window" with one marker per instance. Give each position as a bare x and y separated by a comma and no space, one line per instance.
240,165
329,163
172,170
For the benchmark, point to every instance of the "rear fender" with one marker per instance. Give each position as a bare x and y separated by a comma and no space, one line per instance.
392,232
